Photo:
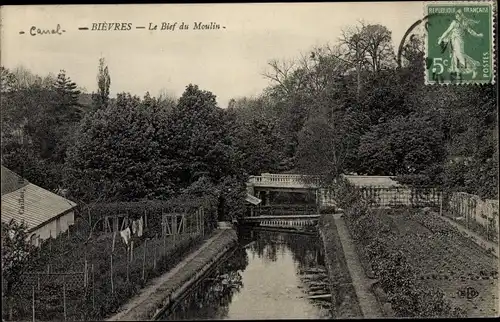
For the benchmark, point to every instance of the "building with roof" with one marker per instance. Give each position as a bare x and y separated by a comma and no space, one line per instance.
45,213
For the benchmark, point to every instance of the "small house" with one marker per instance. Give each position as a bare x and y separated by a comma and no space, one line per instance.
45,213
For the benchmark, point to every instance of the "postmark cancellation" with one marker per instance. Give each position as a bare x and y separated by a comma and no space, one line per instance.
460,46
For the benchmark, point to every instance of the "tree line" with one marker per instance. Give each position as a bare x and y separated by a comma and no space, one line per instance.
96,148
355,106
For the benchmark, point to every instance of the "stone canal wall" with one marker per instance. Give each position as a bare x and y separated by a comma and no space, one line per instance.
151,302
344,298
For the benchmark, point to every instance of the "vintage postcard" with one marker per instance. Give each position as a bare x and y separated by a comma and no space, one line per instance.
249,161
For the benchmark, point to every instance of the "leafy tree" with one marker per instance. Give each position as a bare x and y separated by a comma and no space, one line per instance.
101,98
258,143
327,147
17,258
404,145
198,136
232,194
117,154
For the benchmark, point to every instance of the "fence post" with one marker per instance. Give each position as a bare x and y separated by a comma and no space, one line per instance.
111,274
128,262
131,250
441,204
38,281
202,222
144,258
33,304
64,296
93,288
154,253
467,209
487,228
85,276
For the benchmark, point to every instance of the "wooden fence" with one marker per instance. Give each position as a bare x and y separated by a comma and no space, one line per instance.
475,214
108,269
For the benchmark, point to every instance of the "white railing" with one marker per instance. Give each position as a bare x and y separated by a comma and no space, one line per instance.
267,179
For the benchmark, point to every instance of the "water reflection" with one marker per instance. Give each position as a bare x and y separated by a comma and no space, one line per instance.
305,249
211,297
271,275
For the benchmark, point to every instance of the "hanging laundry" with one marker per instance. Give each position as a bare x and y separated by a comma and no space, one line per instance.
134,227
126,235
140,227
114,239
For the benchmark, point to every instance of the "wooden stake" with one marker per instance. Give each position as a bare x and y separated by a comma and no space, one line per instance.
154,253
85,276
111,270
202,222
33,305
93,288
64,296
128,263
90,220
441,205
114,239
144,259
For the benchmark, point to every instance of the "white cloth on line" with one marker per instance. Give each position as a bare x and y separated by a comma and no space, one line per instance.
125,235
134,227
140,227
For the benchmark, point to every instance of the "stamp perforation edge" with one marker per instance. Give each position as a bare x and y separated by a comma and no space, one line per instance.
492,40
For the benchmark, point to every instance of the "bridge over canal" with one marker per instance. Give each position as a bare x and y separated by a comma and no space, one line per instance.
264,213
380,191
261,186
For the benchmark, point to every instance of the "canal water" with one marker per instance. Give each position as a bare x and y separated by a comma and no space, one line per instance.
270,275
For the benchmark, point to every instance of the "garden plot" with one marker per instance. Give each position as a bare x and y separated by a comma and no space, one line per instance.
444,258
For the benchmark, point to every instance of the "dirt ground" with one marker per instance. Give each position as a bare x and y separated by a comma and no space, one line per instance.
446,259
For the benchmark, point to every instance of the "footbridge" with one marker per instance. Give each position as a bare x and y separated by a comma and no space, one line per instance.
259,187
264,212
382,191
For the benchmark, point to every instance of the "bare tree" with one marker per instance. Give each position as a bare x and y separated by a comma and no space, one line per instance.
379,49
280,73
367,47
355,51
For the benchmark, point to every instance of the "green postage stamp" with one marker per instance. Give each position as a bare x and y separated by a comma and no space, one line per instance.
459,42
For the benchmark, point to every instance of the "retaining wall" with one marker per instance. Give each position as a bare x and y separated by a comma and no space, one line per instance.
344,299
150,304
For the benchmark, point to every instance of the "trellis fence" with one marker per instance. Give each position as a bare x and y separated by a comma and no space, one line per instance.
390,196
109,270
475,214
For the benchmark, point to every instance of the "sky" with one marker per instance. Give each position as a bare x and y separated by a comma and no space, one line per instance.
228,61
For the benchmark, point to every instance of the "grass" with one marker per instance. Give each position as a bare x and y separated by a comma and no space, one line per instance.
69,254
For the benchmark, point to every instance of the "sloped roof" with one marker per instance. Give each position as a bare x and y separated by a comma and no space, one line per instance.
253,200
372,181
11,181
32,204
